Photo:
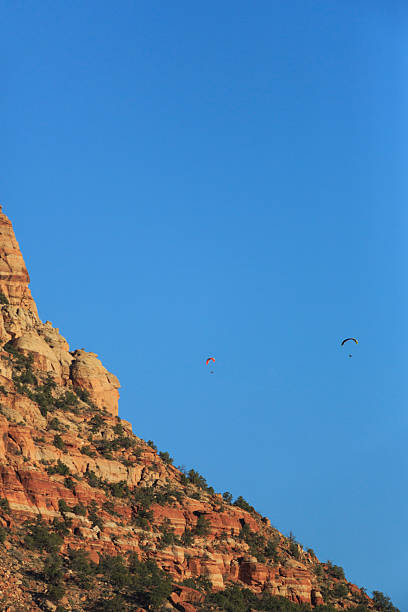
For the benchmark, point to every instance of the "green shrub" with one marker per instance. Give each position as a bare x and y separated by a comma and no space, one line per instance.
340,590
81,565
79,509
382,603
3,534
187,538
22,369
109,507
240,502
95,519
63,506
96,423
152,445
53,569
142,518
49,383
122,442
270,550
119,489
231,599
58,468
42,396
3,298
227,497
150,586
165,457
202,527
196,479
83,395
294,550
137,452
116,604
67,402
3,390
237,599
69,483
118,429
143,497
167,495
183,479
255,541
199,583
115,570
62,527
58,442
39,537
55,424
27,378
87,450
43,410
4,505
168,536
335,571
55,592
92,479
126,462
12,350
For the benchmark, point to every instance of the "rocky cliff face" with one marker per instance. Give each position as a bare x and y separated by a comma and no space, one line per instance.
14,277
74,477
20,325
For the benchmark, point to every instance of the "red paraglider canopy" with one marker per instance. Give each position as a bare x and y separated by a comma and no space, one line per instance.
209,359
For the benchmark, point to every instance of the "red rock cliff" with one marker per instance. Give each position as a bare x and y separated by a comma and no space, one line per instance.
20,324
62,447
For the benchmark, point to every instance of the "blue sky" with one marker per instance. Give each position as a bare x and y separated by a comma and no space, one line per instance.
229,179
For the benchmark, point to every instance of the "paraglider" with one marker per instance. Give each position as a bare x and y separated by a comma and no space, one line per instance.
347,340
209,360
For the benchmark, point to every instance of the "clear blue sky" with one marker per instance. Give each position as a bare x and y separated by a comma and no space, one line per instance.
229,178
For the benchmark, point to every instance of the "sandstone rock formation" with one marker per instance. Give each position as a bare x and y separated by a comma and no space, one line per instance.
20,325
88,373
14,277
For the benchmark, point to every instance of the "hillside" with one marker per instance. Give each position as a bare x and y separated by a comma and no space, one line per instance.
94,518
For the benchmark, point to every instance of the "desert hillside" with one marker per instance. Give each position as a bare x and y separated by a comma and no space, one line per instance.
94,518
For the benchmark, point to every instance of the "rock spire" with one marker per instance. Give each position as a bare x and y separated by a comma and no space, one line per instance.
14,278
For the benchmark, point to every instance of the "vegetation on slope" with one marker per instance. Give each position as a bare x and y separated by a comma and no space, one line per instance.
125,582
